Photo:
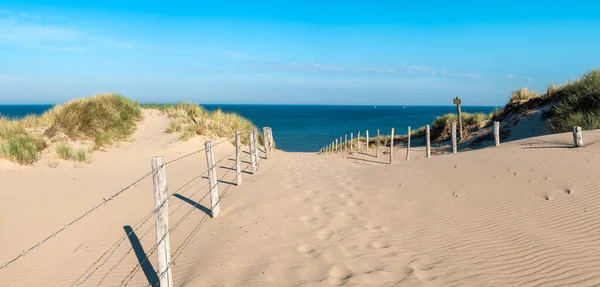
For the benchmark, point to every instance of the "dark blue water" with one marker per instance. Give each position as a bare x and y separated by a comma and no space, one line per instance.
308,128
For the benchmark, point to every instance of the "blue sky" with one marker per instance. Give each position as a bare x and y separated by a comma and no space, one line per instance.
293,52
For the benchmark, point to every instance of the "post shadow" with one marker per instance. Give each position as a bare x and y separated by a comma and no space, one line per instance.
362,159
146,265
220,180
193,203
230,168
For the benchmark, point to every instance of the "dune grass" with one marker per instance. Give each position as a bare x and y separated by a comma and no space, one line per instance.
523,94
442,125
577,104
104,119
190,120
17,145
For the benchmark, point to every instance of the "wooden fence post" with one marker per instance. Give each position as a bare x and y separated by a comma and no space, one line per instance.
497,133
577,136
346,142
266,141
252,144
367,147
392,147
454,147
161,204
336,145
377,147
408,146
427,142
271,141
358,141
351,140
238,158
257,148
212,180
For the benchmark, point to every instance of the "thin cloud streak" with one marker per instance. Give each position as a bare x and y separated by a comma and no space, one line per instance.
325,68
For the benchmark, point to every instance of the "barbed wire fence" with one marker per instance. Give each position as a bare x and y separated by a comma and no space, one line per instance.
480,137
102,261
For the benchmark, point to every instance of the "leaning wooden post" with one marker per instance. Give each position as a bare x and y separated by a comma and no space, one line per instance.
454,148
367,147
577,136
212,179
161,205
427,142
351,140
238,158
392,147
358,141
408,146
266,141
497,133
252,144
377,151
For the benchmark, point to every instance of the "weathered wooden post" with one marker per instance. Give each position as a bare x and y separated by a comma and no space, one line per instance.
341,143
497,133
427,142
358,141
457,102
212,179
454,148
256,148
408,146
367,148
266,141
271,140
392,147
377,146
238,158
336,145
252,144
577,136
345,142
351,140
161,205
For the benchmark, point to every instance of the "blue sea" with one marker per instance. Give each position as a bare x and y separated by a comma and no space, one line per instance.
301,128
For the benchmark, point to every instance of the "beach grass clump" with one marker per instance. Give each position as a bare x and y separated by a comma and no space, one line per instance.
442,125
17,145
577,104
523,94
191,119
63,151
104,119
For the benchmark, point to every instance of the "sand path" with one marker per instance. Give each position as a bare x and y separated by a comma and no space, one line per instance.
523,214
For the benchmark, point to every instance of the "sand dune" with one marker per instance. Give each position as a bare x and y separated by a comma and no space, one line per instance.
523,214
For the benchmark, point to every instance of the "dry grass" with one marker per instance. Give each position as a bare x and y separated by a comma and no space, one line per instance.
104,119
523,94
190,120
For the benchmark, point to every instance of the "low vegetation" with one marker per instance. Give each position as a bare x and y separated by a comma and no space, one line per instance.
442,125
523,94
576,103
190,120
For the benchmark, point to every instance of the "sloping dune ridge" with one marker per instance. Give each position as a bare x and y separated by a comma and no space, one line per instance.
522,214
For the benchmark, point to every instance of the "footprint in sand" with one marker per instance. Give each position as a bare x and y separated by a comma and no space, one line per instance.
319,208
308,220
345,195
325,233
302,199
308,250
379,244
373,227
339,275
353,203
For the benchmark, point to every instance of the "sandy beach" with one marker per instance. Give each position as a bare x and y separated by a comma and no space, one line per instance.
522,214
